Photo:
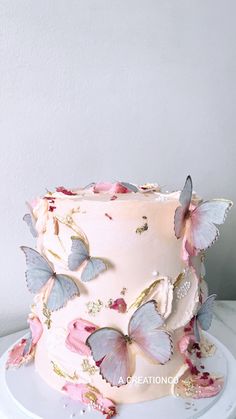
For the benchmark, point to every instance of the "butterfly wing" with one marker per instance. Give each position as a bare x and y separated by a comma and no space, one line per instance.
79,253
109,350
29,344
144,330
181,212
38,269
205,313
196,330
28,218
92,269
203,231
130,186
63,290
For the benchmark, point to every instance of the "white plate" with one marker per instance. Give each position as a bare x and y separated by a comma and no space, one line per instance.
23,394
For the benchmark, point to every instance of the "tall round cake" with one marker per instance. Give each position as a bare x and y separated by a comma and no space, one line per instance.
120,297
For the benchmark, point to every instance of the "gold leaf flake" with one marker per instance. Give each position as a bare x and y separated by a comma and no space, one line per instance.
64,374
91,396
56,226
123,291
141,229
87,367
47,313
179,279
145,293
69,222
93,388
54,254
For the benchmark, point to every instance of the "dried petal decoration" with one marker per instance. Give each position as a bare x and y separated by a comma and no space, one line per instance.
90,395
113,188
119,304
192,382
23,352
150,187
197,386
65,191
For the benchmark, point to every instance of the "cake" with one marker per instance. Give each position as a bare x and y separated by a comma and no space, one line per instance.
120,295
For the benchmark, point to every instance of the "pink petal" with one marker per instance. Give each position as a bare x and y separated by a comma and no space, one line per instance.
119,188
110,187
202,386
36,329
119,304
184,343
65,191
15,356
87,395
79,330
102,187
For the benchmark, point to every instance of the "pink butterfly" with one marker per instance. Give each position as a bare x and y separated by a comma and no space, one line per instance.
110,347
196,223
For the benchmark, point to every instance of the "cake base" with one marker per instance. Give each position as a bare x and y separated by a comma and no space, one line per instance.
25,395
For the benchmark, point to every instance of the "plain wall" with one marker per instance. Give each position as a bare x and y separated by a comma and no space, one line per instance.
110,89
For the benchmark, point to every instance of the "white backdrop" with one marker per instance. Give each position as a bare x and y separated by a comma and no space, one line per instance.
110,89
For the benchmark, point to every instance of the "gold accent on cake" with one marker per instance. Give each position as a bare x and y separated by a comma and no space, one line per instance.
55,255
91,396
144,294
47,313
64,374
56,226
69,222
87,367
141,229
123,291
179,279
94,307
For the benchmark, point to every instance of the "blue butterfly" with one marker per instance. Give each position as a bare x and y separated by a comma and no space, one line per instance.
204,316
30,221
79,254
38,274
130,186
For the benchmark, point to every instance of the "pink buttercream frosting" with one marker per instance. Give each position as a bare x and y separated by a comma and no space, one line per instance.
89,395
79,330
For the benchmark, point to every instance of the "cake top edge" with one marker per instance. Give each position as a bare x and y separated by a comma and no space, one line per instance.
107,191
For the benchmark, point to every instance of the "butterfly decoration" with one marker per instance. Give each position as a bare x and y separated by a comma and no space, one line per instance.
30,220
38,274
79,255
110,347
204,316
196,224
130,186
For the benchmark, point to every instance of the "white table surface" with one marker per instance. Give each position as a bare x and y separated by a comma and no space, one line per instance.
223,327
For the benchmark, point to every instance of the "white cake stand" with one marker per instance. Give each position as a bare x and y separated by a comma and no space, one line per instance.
24,395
